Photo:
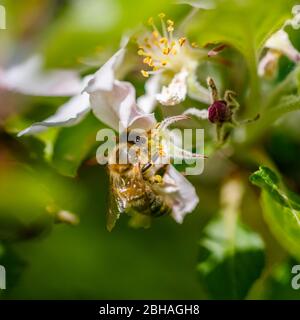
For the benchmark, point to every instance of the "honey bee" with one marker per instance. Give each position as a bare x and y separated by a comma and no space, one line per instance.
136,186
134,190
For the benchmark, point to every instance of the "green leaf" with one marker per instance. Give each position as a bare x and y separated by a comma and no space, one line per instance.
228,267
286,104
23,204
245,25
93,29
281,209
74,144
278,285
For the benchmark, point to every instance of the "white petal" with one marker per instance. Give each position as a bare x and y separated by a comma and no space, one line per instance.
180,193
196,91
119,105
201,114
114,102
104,78
29,78
280,42
147,102
176,91
295,21
268,65
70,113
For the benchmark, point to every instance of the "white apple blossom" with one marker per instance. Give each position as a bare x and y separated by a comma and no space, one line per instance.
113,102
280,44
29,78
70,113
165,53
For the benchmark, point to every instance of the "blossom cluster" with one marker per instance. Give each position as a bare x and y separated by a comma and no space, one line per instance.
170,67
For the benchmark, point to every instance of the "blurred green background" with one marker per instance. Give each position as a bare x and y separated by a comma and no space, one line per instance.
47,260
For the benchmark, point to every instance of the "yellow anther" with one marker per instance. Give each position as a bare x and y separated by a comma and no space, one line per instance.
170,29
194,45
164,63
141,52
163,40
166,51
148,61
155,34
182,41
170,22
174,52
150,21
161,15
155,68
145,73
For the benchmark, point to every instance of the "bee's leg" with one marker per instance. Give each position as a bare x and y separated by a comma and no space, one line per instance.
162,170
157,177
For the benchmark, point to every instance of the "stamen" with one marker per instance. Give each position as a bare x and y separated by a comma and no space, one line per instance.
145,73
166,51
182,41
155,33
168,121
163,25
163,40
141,52
158,50
194,45
150,21
170,28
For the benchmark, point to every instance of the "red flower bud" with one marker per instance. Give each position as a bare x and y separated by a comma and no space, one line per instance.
219,112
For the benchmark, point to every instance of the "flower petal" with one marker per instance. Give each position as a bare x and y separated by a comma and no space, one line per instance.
119,106
268,65
104,78
70,113
147,102
176,91
280,42
114,102
180,193
200,114
196,91
295,21
29,78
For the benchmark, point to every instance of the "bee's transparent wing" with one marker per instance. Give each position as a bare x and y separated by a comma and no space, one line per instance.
116,205
114,211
